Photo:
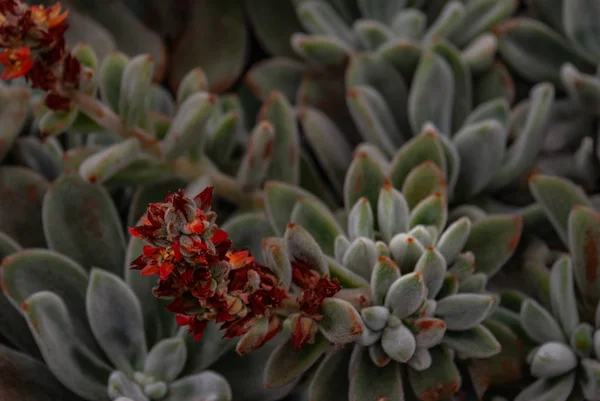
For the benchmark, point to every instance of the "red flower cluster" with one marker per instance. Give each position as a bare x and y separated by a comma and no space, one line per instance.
314,291
34,47
199,270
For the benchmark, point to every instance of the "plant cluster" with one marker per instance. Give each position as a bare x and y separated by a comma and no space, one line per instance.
400,204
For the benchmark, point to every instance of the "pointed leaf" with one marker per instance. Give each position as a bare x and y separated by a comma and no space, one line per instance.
406,295
480,54
320,18
278,73
441,380
360,257
275,258
103,165
287,363
384,274
578,19
110,76
431,211
202,386
481,15
430,331
410,24
398,343
257,158
477,342
392,213
324,51
302,247
453,239
403,55
21,194
539,324
81,221
194,81
369,382
364,178
361,221
432,266
422,181
166,359
331,379
583,239
406,251
493,241
135,87
557,389
496,109
464,311
280,199
553,359
562,295
446,23
12,115
72,363
341,323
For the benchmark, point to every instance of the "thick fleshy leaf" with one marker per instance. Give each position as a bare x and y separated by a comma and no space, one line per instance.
539,324
432,266
562,295
81,221
12,115
463,266
103,165
110,75
476,342
247,231
495,109
493,241
363,179
448,21
521,155
285,162
280,199
481,149
378,355
372,34
423,181
578,19
192,82
590,385
441,380
135,88
360,257
187,128
202,386
463,94
453,239
420,360
331,379
324,51
449,286
301,246
369,382
347,278
392,213
373,117
406,295
406,251
557,389
410,24
116,320
584,242
34,270
375,317
166,359
21,195
398,343
584,88
361,220
480,15
431,211
557,196
474,284
328,143
221,22
341,323
553,359
313,180
287,362
204,353
120,386
380,10
464,311
384,274
257,158
430,331
424,235
320,18
72,363
433,75
278,73
480,54
424,147
275,257
494,82
582,339
403,55
535,51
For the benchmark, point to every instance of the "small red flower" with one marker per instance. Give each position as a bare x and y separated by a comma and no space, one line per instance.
17,62
50,17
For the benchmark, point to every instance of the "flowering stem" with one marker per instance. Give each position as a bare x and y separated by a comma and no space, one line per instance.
225,185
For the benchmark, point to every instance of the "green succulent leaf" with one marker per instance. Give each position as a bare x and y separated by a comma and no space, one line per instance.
103,165
285,159
13,114
441,380
384,274
431,211
398,343
360,257
432,266
433,75
403,55
557,196
493,241
320,18
448,20
81,221
341,323
410,24
287,362
363,179
331,379
422,181
406,251
110,78
206,385
166,359
494,82
369,382
301,246
406,295
275,257
553,359
590,385
325,51
582,339
372,34
116,320
453,239
361,220
464,311
539,324
562,295
347,278
480,15
556,389
430,332
257,158
392,213
480,54
495,109
192,82
583,240
21,198
71,362
578,18
275,74
135,88
477,342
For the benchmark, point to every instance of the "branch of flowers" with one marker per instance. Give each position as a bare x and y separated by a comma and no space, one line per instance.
225,185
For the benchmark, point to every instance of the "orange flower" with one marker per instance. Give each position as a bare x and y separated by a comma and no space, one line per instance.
17,62
51,16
